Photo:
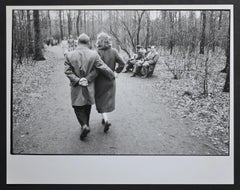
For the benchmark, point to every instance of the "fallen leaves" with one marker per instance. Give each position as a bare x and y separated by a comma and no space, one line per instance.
185,98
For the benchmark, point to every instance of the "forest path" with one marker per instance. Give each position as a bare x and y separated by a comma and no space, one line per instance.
140,123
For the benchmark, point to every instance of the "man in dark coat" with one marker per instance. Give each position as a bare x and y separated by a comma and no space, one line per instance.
78,64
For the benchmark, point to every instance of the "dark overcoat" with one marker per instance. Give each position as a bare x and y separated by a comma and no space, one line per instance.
80,63
105,89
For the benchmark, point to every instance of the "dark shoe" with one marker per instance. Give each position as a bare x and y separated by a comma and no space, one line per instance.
84,133
103,122
106,127
133,75
126,71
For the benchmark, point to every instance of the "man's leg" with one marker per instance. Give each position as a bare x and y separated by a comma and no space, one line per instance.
136,68
145,70
88,111
129,66
83,114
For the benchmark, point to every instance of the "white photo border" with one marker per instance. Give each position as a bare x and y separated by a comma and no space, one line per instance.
66,169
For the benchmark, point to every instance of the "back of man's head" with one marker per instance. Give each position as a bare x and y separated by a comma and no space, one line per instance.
83,39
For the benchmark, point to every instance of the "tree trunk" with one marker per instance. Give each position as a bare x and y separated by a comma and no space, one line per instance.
77,22
69,23
220,20
85,22
171,42
101,20
60,24
192,32
29,34
212,31
148,30
226,87
93,26
49,24
38,55
202,43
139,25
14,29
227,52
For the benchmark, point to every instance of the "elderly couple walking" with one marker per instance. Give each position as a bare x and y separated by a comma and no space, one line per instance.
92,79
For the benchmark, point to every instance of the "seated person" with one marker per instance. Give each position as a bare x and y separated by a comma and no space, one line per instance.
132,61
138,65
148,51
149,63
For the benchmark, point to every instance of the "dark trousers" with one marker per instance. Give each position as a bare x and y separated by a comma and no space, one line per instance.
83,114
137,68
130,64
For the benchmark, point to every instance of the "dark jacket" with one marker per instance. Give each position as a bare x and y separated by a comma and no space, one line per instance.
80,63
105,89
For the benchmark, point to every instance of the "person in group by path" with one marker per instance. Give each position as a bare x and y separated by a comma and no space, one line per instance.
132,61
148,51
64,45
105,89
138,65
150,63
78,64
70,43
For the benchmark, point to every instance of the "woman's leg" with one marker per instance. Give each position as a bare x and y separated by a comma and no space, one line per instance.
105,117
106,123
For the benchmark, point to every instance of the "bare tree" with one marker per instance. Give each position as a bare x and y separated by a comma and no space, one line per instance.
202,42
212,31
29,33
60,24
49,23
77,22
226,87
171,42
69,21
220,20
38,55
148,29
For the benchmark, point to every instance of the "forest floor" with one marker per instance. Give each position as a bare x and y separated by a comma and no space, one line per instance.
151,116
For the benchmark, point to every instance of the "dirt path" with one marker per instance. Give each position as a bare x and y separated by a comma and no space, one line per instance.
140,124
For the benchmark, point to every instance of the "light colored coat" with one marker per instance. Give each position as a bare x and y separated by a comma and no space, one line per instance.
79,63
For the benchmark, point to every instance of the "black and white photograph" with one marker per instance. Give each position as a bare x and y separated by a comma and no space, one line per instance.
122,81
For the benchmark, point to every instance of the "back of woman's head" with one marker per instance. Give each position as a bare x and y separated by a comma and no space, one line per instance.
104,41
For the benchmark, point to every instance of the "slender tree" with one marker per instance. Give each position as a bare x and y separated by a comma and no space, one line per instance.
148,29
77,22
226,87
49,23
171,42
29,33
60,24
69,19
212,31
220,20
38,55
202,42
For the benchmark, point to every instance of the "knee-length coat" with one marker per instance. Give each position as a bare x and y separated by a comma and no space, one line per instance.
105,89
80,63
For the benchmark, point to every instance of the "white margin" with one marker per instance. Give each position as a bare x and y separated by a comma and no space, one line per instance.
22,169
